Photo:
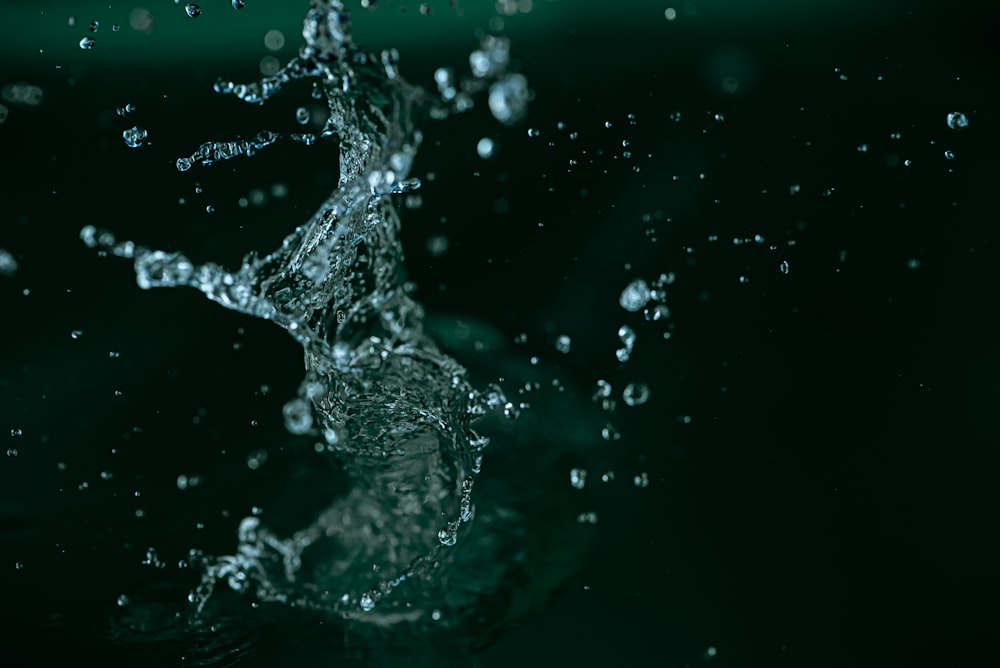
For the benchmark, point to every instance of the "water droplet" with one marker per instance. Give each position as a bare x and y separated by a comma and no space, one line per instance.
641,480
298,416
183,164
635,295
587,518
123,600
302,115
192,10
913,263
949,155
87,43
670,13
485,148
532,132
135,136
76,333
115,27
957,120
256,459
94,25
578,478
563,344
610,433
783,266
8,265
627,336
635,394
367,603
151,558
602,391
239,4
608,476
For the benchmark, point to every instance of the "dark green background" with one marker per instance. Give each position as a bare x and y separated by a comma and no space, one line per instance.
833,501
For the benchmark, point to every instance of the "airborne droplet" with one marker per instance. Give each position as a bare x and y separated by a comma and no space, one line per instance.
635,295
135,136
636,394
957,120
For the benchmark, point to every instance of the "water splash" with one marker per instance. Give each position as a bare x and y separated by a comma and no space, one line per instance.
393,408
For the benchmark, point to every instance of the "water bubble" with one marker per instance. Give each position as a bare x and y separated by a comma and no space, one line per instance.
563,344
949,155
87,43
123,600
239,4
76,334
135,136
578,478
298,416
783,266
957,120
115,27
183,164
587,518
670,13
367,603
192,10
71,21
635,295
302,115
635,394
485,148
608,476
641,480
15,432
913,263
94,25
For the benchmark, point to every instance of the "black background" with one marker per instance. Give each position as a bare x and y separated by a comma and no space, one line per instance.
832,500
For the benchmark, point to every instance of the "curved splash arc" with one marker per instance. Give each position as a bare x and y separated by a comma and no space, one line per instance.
394,408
